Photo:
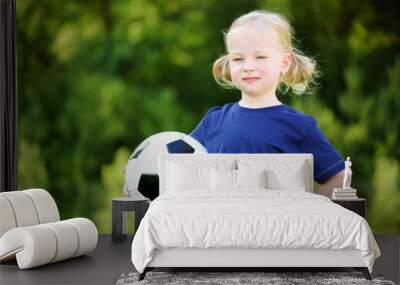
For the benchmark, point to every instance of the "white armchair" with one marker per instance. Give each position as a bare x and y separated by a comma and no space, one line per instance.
31,230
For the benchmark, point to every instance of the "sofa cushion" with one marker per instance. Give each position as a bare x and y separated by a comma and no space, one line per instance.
40,244
45,206
27,208
7,215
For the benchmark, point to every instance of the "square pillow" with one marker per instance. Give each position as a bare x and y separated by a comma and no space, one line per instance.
223,179
251,178
188,177
227,179
193,174
293,180
281,174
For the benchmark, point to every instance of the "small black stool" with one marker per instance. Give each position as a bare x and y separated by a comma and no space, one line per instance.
119,208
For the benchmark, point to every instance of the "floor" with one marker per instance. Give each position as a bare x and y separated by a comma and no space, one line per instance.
103,266
111,259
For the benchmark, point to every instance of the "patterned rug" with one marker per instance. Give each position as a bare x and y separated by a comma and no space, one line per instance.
230,278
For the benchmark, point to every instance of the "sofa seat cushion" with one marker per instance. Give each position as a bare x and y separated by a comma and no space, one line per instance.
41,244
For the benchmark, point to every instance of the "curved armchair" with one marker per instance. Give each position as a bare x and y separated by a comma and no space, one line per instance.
31,230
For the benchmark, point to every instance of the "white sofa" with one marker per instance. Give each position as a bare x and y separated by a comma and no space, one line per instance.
31,231
154,247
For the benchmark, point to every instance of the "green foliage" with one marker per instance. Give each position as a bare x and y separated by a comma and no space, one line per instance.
32,170
95,78
383,216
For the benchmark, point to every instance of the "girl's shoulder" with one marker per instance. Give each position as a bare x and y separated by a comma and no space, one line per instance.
298,115
219,110
298,120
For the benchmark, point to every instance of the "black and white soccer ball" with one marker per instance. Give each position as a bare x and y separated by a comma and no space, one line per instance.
141,171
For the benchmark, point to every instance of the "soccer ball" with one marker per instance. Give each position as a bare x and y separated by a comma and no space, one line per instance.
141,171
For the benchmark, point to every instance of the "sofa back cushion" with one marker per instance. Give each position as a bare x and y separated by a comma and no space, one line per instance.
26,208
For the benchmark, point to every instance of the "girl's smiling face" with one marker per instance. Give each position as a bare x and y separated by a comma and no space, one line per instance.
256,61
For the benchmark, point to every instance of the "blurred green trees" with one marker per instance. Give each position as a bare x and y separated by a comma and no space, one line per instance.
95,78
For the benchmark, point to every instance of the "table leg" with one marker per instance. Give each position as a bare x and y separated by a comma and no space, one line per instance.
124,218
117,222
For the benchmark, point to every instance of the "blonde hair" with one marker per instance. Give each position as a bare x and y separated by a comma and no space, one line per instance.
302,70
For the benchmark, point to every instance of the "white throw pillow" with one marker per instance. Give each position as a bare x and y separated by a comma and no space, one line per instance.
187,174
223,179
227,179
188,177
282,174
251,178
292,180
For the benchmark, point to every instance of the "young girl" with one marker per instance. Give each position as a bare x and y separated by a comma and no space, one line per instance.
260,58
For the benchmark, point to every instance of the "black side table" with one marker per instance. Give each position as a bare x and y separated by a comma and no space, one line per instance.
119,208
357,205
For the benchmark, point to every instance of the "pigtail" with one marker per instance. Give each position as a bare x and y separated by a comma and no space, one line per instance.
221,72
301,73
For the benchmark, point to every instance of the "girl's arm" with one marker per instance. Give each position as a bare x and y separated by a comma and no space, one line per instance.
336,181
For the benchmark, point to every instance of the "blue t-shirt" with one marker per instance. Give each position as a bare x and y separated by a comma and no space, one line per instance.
276,129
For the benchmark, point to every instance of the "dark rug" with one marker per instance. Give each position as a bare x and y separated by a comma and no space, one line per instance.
229,278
